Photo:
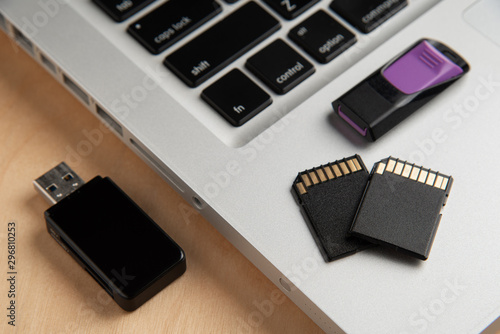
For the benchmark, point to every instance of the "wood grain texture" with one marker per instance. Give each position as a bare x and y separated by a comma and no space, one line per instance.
42,124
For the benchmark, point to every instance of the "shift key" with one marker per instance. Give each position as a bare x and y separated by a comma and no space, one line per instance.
207,54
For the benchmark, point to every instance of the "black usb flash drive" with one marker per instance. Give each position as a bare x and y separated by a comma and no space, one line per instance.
123,249
397,89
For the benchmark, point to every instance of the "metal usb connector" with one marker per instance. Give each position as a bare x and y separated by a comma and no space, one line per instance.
58,183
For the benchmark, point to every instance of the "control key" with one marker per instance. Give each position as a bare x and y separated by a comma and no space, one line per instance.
280,67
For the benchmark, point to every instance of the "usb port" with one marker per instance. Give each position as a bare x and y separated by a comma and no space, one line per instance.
108,120
48,64
75,89
3,23
23,41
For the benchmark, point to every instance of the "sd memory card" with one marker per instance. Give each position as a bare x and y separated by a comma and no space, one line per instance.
329,195
401,207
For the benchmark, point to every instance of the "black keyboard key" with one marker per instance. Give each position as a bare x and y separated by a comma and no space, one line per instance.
367,15
223,43
172,21
290,9
280,67
236,97
322,37
120,10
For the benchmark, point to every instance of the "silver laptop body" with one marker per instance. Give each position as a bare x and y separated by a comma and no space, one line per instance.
240,178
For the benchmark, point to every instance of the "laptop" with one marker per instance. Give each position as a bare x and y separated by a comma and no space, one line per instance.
162,86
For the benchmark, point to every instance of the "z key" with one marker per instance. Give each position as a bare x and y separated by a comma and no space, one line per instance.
290,9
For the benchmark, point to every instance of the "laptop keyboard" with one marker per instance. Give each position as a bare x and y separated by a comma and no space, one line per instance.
321,31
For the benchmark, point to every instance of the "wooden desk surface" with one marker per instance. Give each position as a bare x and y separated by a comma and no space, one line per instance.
41,124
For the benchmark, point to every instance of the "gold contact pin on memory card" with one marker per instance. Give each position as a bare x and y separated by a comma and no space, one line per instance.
412,172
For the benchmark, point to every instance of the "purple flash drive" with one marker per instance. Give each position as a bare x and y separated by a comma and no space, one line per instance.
396,90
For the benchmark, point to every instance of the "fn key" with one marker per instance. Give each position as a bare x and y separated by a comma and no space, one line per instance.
236,97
